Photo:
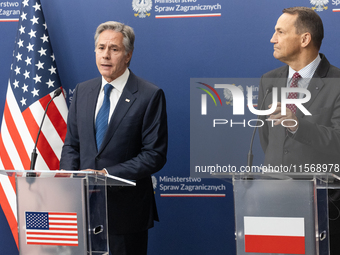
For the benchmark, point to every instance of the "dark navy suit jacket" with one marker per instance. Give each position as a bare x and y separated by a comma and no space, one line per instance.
134,147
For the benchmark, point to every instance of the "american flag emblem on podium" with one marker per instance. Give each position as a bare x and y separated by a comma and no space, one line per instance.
51,228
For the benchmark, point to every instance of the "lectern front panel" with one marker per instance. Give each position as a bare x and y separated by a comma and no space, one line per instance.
51,216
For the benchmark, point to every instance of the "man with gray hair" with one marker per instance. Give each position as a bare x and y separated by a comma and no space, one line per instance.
117,125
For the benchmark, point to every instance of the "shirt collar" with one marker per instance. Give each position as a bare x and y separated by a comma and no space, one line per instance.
308,71
118,83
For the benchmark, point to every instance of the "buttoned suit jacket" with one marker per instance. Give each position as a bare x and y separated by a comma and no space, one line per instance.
317,140
134,147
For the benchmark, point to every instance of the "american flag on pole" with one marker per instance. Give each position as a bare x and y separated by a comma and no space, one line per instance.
51,228
33,79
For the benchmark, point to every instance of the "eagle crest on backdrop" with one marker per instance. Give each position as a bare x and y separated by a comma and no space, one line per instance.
319,5
142,7
229,96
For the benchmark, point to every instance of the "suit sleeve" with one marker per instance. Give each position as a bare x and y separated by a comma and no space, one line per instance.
324,137
154,135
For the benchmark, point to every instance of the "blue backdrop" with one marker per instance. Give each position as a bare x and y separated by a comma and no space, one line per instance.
231,41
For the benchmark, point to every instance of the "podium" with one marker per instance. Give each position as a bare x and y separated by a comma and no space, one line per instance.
278,213
62,212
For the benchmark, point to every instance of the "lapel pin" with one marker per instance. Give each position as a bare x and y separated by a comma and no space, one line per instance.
127,100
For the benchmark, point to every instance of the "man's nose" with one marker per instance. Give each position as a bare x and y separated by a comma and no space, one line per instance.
273,39
106,53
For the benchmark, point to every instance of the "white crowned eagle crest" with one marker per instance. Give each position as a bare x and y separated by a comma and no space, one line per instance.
229,96
142,7
319,5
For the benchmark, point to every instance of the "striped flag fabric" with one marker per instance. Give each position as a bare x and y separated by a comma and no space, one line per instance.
274,235
51,228
32,81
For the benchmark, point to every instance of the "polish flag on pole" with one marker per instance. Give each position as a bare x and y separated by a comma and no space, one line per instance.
274,235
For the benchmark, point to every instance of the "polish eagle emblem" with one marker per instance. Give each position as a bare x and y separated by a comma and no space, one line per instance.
142,8
319,5
229,96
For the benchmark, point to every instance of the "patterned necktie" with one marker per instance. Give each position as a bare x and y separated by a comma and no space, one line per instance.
293,95
103,116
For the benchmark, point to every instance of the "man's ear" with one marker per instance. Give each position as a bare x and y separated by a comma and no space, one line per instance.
306,39
128,57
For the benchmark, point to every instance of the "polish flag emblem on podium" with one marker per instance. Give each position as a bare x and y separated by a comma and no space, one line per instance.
274,235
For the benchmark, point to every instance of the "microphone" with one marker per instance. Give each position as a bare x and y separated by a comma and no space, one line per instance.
34,154
250,153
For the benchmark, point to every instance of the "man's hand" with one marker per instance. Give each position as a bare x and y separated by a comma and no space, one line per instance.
276,115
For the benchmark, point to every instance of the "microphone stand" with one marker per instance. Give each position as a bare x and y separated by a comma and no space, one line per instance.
34,154
250,153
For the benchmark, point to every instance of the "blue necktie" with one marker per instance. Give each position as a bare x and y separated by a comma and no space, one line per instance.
103,116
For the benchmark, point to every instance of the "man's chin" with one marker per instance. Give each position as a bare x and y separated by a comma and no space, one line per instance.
106,75
276,55
108,78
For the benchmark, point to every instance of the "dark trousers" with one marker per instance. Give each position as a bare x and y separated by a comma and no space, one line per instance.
129,244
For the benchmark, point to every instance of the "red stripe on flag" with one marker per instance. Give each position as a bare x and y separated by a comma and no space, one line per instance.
59,244
6,160
63,219
62,224
6,208
57,120
275,244
49,233
55,117
16,138
43,145
187,16
52,239
13,183
7,163
67,214
9,20
65,229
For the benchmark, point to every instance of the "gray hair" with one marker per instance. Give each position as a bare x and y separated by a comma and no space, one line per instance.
127,31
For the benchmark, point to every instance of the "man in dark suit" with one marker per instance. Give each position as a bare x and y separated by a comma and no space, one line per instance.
296,138
119,129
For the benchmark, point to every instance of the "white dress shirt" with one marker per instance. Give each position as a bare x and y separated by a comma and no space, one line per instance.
306,74
118,86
